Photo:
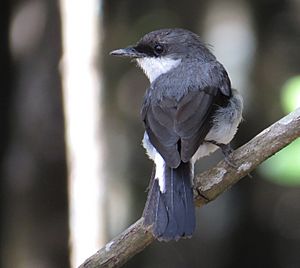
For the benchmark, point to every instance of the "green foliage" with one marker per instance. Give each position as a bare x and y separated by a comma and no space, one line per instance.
284,167
290,96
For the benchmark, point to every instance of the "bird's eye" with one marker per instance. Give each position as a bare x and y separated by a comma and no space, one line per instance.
158,49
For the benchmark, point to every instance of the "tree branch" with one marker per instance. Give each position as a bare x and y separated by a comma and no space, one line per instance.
208,184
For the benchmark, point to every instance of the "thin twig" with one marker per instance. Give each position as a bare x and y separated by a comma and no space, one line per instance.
208,184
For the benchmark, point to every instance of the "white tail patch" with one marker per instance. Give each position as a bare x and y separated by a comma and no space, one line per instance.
160,172
158,160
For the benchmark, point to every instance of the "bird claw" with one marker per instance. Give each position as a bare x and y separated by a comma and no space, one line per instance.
227,151
230,162
203,196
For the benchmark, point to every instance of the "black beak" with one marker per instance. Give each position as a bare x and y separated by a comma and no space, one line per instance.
130,52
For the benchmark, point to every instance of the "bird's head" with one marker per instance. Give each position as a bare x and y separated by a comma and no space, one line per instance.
160,51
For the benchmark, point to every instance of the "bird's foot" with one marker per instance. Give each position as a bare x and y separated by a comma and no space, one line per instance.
227,151
201,195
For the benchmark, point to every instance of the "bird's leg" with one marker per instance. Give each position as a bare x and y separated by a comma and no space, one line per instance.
226,150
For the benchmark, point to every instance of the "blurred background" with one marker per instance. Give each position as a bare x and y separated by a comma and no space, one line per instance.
73,171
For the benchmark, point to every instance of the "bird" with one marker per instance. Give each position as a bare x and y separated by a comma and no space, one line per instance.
189,111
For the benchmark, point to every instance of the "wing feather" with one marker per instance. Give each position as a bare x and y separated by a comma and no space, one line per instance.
176,128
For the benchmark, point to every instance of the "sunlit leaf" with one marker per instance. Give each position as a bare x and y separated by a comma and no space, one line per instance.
284,167
290,94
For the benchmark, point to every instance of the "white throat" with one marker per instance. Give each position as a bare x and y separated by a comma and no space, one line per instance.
154,67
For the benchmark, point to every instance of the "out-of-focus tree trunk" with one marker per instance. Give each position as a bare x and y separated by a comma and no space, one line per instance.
5,95
85,140
35,224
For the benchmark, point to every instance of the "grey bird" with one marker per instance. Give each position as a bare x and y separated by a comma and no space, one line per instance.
189,111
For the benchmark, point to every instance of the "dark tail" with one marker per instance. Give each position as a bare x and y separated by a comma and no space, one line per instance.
172,213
